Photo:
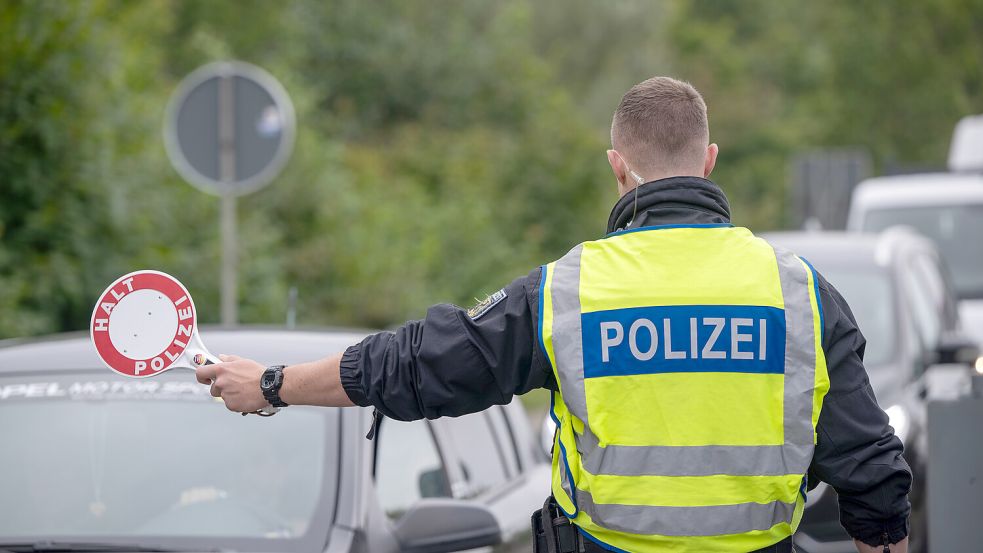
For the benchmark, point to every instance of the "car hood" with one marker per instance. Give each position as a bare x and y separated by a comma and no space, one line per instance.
971,313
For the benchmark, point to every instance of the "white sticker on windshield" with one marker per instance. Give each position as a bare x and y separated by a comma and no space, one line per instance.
93,389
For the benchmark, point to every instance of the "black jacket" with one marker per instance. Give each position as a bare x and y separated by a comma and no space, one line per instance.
451,363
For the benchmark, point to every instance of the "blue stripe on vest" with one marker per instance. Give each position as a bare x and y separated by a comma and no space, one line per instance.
566,464
662,227
684,338
599,542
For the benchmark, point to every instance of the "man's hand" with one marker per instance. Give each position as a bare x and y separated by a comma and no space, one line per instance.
236,381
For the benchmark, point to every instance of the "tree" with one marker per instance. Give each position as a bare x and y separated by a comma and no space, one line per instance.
444,148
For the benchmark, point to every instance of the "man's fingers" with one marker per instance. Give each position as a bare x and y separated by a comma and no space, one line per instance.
206,373
234,380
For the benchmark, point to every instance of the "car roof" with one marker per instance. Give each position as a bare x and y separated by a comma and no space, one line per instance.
268,346
827,248
917,190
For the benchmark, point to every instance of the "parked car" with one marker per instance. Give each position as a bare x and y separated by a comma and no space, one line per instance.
898,289
946,207
90,457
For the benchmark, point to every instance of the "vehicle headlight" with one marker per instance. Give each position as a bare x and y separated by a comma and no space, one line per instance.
898,417
979,365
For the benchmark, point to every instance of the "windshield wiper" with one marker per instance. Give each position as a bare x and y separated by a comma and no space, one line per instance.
87,547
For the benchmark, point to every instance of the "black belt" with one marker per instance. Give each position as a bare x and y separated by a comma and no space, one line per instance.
554,533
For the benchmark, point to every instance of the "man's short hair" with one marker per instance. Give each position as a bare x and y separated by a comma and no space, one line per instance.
661,123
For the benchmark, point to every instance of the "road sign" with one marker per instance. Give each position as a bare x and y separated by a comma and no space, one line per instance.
822,182
229,128
145,323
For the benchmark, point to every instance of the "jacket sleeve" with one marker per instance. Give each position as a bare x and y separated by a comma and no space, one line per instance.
452,362
857,452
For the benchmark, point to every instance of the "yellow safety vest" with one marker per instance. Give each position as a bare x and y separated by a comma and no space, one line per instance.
691,376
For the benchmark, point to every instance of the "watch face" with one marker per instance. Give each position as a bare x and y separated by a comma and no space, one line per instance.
267,381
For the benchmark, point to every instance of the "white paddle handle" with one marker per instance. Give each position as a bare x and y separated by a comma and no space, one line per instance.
201,357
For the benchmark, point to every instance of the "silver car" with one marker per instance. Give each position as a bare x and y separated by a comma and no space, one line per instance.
96,462
946,207
899,291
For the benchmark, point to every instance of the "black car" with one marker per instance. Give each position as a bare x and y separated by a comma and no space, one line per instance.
899,292
90,457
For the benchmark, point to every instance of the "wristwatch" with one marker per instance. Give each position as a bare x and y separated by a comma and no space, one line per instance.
270,384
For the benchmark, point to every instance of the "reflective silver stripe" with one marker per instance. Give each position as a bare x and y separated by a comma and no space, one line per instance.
565,482
800,360
568,344
713,520
734,460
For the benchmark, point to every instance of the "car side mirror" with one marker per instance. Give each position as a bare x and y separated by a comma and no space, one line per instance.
441,525
957,349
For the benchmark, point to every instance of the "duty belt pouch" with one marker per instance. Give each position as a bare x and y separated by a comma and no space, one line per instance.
538,532
553,532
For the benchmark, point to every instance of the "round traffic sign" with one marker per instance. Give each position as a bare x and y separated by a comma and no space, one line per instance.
143,323
229,128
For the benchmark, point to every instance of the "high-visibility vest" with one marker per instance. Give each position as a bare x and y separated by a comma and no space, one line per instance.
691,376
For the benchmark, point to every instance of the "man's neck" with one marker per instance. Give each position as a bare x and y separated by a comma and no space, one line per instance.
671,201
629,186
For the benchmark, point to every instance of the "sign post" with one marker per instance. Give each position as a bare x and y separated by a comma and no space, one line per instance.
229,131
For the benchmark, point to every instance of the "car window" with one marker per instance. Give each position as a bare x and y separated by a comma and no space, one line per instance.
506,439
929,271
928,274
926,313
870,295
408,466
954,229
104,456
476,450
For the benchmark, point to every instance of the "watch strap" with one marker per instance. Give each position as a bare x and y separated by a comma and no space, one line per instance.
272,393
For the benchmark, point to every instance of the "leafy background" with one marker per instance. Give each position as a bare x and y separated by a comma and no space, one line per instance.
443,147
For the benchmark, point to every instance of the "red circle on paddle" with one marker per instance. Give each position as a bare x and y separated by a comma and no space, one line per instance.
143,323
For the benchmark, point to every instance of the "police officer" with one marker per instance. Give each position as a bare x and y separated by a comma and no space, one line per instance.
702,379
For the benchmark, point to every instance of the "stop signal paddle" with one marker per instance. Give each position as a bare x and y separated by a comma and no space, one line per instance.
145,323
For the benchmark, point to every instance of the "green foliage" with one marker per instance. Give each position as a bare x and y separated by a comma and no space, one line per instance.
891,77
444,148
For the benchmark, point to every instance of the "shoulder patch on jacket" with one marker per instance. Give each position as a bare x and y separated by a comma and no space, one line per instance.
486,304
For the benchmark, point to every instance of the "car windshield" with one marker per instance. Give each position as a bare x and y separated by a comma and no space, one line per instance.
100,456
955,229
870,295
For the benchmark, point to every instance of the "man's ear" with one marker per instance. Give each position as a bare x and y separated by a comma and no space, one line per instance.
614,160
710,161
